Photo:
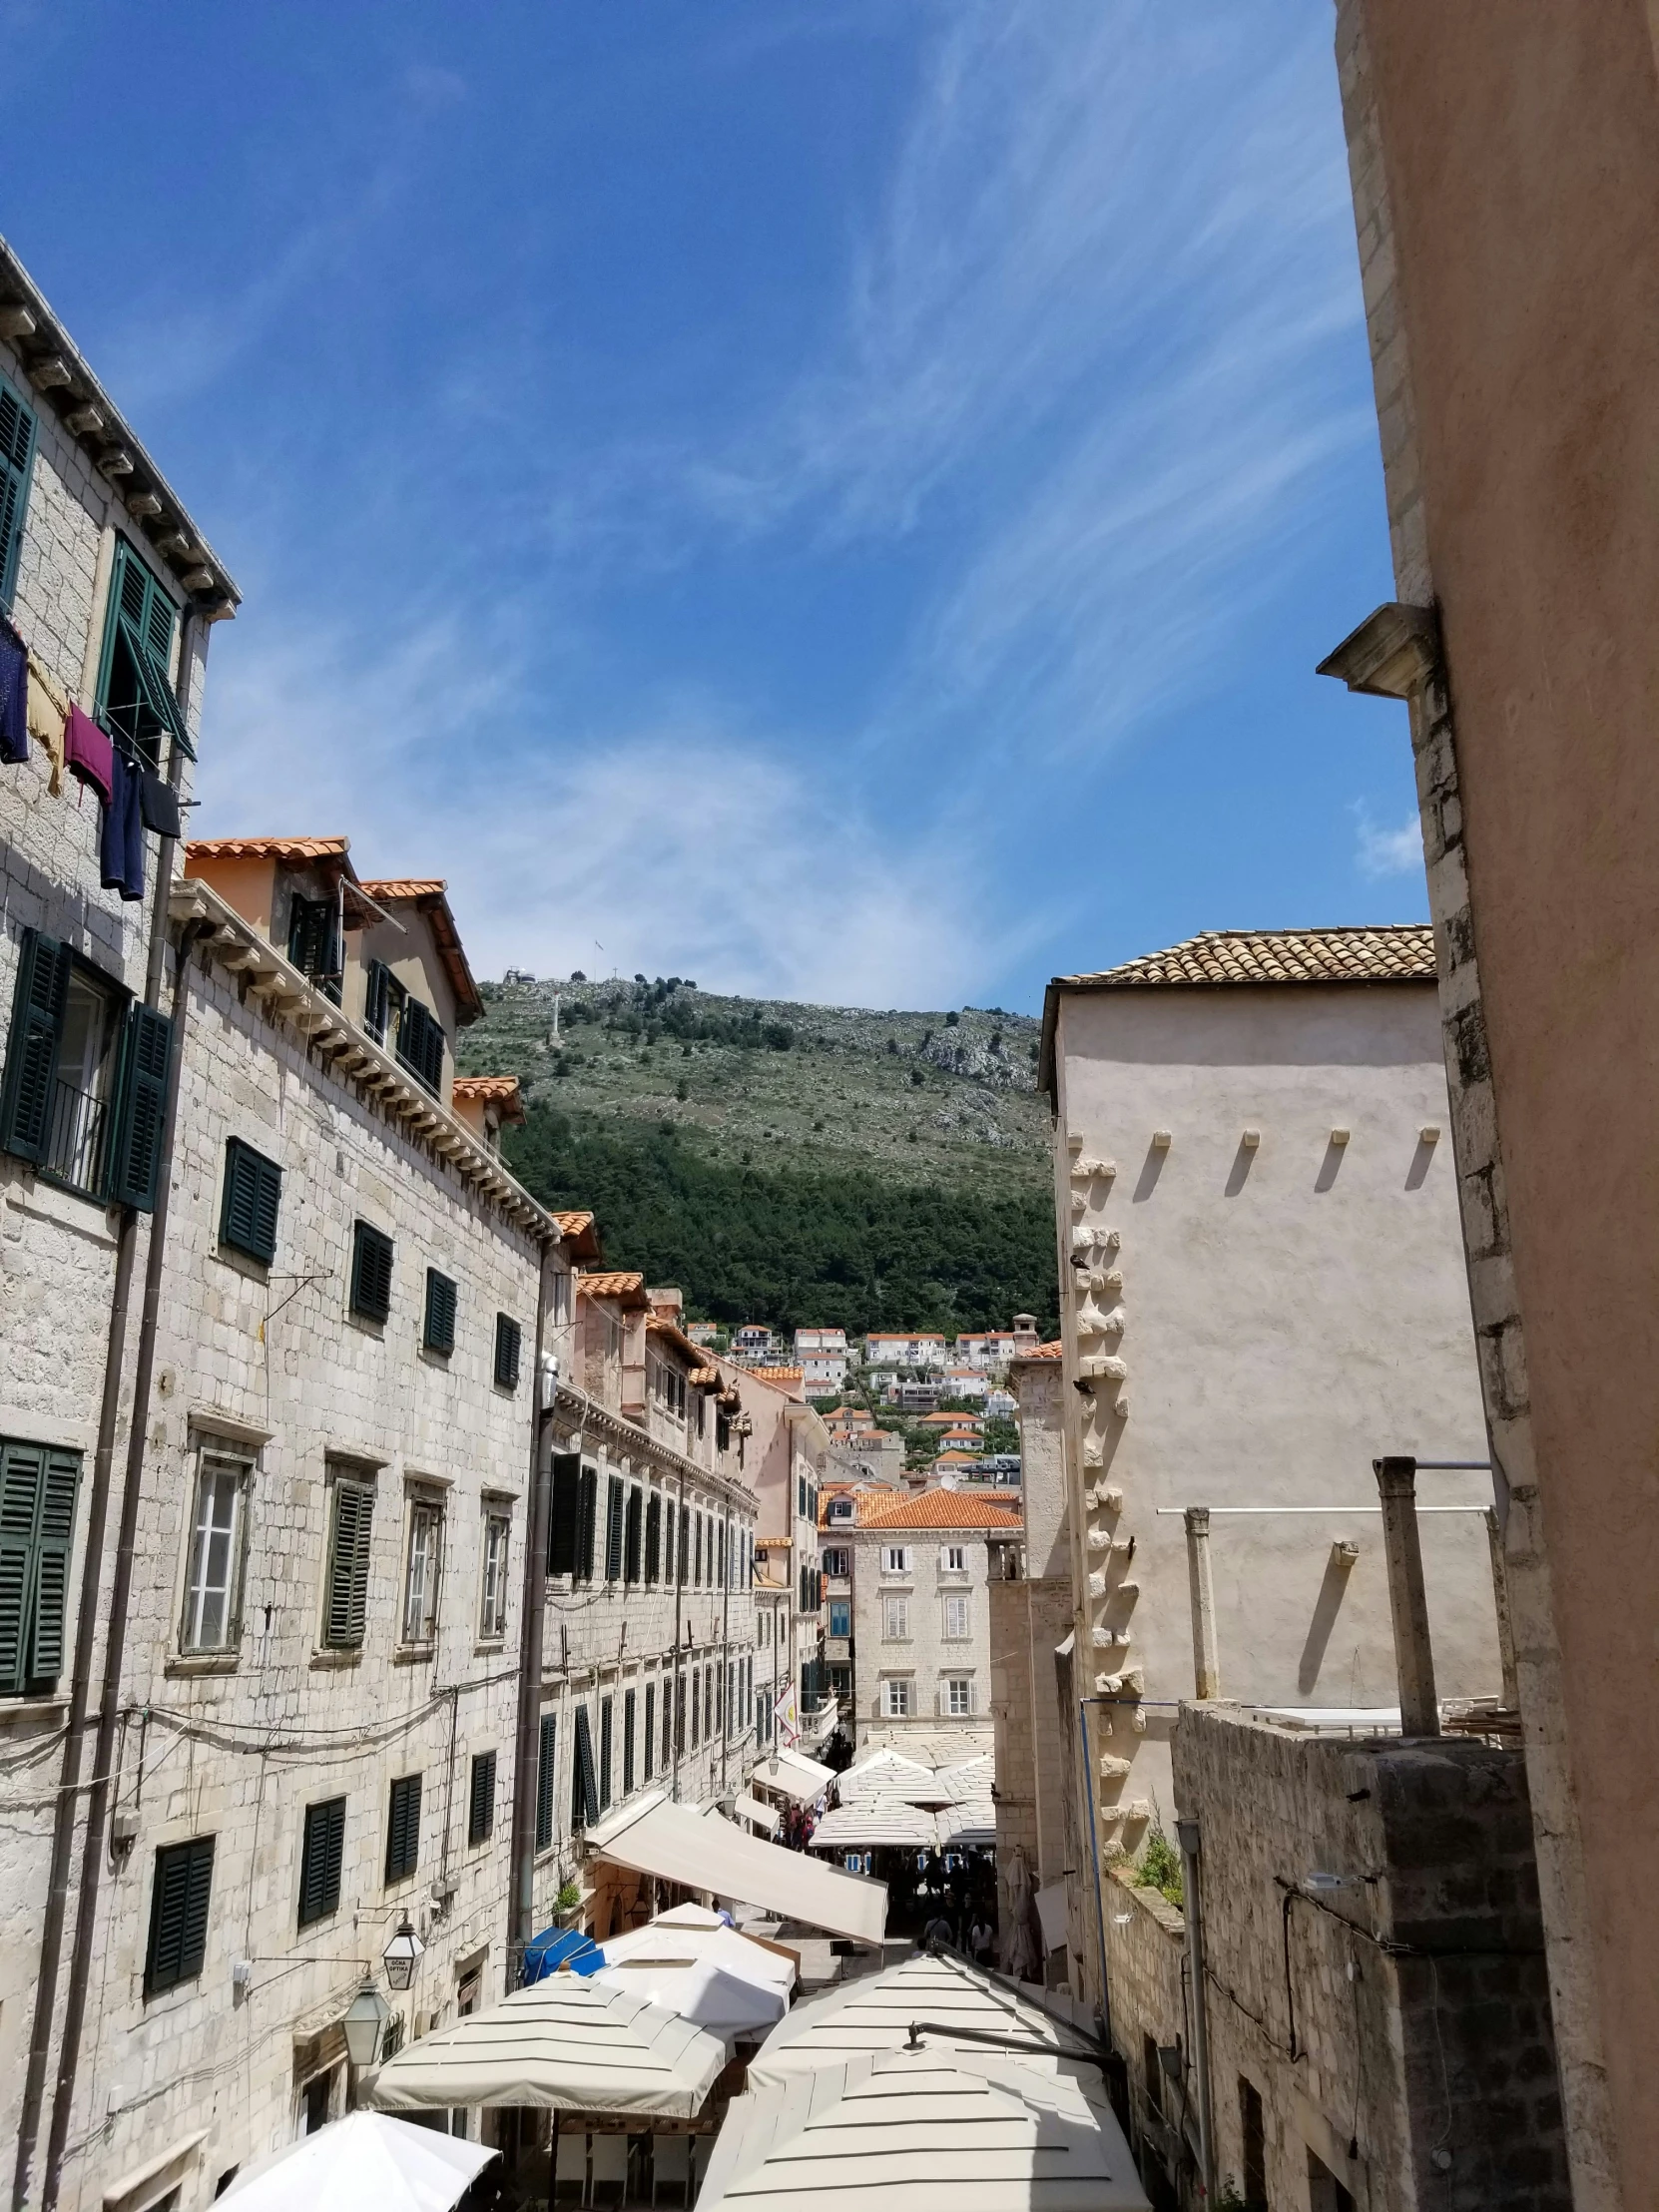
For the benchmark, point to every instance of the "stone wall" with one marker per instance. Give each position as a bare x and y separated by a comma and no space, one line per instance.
1375,1964
926,1655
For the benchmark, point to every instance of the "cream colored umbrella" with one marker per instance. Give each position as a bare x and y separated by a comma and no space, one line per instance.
365,2158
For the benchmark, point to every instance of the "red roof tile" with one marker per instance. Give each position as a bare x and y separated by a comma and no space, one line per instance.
940,1509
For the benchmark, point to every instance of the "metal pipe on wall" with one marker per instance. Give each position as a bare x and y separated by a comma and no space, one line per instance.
531,1632
1187,1835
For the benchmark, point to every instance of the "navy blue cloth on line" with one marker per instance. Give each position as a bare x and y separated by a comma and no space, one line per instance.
14,696
120,843
158,805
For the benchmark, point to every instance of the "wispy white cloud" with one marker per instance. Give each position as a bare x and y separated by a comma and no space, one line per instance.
682,844
1379,854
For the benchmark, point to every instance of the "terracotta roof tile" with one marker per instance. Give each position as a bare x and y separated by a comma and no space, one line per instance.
615,1284
940,1509
1396,954
266,848
404,886
1055,1351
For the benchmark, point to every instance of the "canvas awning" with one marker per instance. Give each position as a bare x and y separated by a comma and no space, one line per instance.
572,2044
763,1816
671,1842
877,1824
793,1775
965,1826
875,2013
926,2130
886,1774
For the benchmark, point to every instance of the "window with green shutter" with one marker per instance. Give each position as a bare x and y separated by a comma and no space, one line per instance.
378,1008
584,1787
606,1712
439,1332
613,1528
178,1900
17,454
371,1264
321,1858
136,1149
480,1804
547,1780
420,1044
632,1541
403,1828
653,1538
630,1705
345,1601
39,1005
135,698
649,1744
253,1198
315,942
508,1342
85,1089
565,1517
587,1524
38,1483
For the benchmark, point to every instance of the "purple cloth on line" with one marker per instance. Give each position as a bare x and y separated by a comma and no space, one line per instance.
89,753
121,843
14,696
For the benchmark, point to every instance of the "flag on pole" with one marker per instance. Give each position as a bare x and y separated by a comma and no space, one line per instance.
785,1715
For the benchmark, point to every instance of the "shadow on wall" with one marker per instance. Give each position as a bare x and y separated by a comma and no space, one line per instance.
1339,1567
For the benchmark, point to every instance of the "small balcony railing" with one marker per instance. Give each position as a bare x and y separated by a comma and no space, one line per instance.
75,1147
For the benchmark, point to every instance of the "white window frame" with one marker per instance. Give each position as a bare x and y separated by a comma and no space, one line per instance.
898,1697
895,1610
951,1684
425,1512
835,1562
954,1600
492,1578
953,1559
239,1471
896,1559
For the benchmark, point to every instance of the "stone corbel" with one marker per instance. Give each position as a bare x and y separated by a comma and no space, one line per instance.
1394,652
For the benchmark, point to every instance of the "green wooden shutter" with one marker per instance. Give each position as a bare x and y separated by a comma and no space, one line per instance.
320,1859
345,1614
135,1160
143,618
179,1901
20,1468
613,1529
371,1271
377,1000
652,1539
584,1809
648,1746
403,1828
42,993
440,1311
17,453
565,1514
54,1533
629,1706
38,1483
586,1523
547,1779
252,1201
509,1345
631,1542
480,1819
606,1714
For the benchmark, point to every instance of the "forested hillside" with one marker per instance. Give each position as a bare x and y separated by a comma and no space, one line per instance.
788,1163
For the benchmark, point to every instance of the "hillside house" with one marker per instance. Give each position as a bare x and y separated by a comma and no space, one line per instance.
919,1354
822,1356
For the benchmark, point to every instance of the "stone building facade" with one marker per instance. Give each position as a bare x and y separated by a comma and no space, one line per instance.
1258,1235
789,1458
915,1594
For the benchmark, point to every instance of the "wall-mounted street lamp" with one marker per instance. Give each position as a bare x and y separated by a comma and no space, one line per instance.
364,2024
401,1954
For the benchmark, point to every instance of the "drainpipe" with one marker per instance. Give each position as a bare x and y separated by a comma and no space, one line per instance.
1193,1895
532,1629
1420,1707
1505,1625
115,1642
1094,1848
89,1618
727,1687
1206,1661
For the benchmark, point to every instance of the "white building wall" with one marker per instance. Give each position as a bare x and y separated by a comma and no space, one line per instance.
924,1653
1286,1313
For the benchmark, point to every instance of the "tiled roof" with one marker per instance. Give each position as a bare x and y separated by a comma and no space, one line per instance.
486,1086
578,1231
940,1509
1055,1351
615,1284
265,849
1397,953
431,894
404,886
704,1378
778,1375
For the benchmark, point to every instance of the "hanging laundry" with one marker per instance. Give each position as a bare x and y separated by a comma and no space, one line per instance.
48,711
14,694
158,805
88,751
121,846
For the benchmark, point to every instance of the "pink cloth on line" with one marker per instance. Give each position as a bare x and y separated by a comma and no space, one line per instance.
89,753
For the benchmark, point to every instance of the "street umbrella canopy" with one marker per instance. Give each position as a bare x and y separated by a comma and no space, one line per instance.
920,2131
568,2044
363,2159
711,1975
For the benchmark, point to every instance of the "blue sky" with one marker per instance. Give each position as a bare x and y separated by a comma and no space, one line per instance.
833,499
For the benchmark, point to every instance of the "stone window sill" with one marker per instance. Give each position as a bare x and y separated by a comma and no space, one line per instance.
331,1655
414,1655
20,1711
203,1662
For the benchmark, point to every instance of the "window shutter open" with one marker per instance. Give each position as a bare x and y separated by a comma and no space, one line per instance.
565,1514
145,618
252,1201
38,1483
346,1612
630,1548
586,1525
613,1529
377,1000
55,1530
136,1156
20,1477
606,1714
440,1311
32,1048
17,451
584,1810
547,1778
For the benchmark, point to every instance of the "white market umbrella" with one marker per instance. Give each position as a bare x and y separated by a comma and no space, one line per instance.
925,2131
364,2159
678,1938
563,2044
722,2004
874,1823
